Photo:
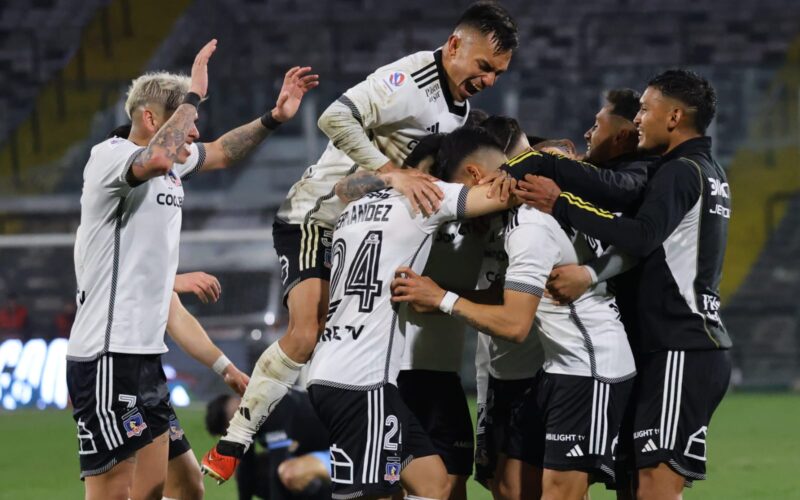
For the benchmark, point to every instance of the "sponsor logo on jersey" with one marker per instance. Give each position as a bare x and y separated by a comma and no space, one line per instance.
175,429
719,188
169,200
392,472
397,78
433,129
133,423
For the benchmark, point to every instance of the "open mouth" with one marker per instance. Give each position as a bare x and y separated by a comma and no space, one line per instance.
470,88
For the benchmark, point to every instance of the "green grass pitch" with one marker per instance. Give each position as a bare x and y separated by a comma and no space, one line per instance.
754,453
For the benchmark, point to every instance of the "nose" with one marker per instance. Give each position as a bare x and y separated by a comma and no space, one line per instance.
588,134
194,133
637,120
489,80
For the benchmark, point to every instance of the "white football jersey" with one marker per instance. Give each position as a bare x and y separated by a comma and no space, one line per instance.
363,342
584,338
501,359
397,105
436,341
126,253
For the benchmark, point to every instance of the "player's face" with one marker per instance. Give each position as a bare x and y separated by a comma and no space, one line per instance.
655,120
474,65
600,136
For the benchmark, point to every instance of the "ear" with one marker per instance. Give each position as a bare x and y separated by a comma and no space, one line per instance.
453,44
675,117
150,120
474,172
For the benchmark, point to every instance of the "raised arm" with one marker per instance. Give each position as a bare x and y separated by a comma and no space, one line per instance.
241,141
190,336
162,152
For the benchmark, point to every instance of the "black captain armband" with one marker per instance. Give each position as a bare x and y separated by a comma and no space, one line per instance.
269,121
192,98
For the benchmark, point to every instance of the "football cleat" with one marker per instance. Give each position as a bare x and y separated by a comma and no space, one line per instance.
220,467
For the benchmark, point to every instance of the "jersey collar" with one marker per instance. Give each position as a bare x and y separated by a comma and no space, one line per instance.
454,107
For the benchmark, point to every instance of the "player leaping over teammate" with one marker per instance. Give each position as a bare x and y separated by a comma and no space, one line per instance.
374,126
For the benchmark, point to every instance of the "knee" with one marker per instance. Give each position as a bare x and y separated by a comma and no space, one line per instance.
507,491
194,490
439,488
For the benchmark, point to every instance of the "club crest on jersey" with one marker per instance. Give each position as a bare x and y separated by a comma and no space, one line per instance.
174,178
175,429
133,423
392,472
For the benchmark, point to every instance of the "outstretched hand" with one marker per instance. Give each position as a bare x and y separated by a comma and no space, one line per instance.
421,292
199,83
418,187
502,184
538,192
296,83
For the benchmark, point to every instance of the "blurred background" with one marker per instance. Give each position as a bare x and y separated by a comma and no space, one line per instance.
65,66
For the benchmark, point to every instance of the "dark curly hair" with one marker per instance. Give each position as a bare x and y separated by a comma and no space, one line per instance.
691,89
624,102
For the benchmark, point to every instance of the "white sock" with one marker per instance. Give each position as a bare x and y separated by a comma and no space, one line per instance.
272,377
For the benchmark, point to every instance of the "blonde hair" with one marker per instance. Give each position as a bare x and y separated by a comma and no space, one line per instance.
162,88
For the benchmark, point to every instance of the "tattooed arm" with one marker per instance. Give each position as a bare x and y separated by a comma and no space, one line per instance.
168,145
241,141
418,187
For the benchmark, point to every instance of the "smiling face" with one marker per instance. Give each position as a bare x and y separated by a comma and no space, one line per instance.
657,118
471,63
609,137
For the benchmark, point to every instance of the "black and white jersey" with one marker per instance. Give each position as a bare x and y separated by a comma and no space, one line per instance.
584,338
363,342
126,253
680,233
499,358
397,105
436,341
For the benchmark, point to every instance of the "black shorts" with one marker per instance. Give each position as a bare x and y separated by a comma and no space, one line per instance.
493,423
178,442
304,251
676,393
438,401
373,435
120,403
568,422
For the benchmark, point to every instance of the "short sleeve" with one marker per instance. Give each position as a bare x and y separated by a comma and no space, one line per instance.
109,164
532,253
453,205
386,96
194,163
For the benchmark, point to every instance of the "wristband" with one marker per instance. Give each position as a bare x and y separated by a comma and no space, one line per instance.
592,273
269,121
448,301
220,364
192,98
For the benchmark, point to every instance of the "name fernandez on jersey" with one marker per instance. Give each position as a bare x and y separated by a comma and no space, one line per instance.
361,213
364,338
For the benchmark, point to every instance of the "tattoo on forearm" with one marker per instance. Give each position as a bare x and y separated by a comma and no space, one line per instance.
240,141
356,185
172,135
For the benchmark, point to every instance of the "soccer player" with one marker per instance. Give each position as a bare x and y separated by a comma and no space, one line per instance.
295,462
372,126
568,423
376,442
679,232
126,254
